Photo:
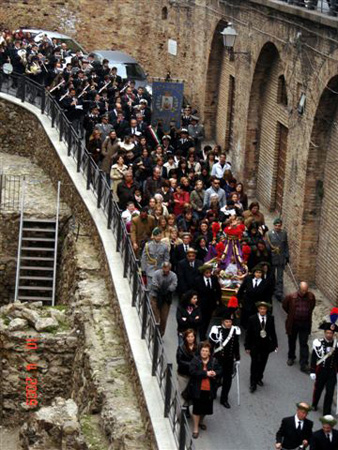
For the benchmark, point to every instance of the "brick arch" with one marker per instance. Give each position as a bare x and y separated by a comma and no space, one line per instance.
319,242
267,72
213,80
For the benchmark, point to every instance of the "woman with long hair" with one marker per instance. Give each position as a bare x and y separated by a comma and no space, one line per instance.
188,314
184,355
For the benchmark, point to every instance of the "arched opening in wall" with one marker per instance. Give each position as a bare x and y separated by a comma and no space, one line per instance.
213,81
263,101
164,14
319,234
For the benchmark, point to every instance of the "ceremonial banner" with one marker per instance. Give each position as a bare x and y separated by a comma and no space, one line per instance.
167,104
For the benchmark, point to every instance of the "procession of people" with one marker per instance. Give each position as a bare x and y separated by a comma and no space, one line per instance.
203,250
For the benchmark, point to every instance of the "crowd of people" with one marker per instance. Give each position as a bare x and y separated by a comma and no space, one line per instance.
194,232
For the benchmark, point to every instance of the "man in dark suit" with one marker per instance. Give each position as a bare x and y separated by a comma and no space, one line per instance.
260,341
209,296
253,289
327,437
295,430
181,249
187,272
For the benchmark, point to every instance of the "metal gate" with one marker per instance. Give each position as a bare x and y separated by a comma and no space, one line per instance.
10,192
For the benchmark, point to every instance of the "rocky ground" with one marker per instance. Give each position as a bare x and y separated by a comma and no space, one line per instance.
40,195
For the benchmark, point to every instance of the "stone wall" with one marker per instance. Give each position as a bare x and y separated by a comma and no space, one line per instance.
106,380
52,353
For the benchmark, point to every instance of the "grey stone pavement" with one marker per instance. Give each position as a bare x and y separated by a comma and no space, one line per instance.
253,424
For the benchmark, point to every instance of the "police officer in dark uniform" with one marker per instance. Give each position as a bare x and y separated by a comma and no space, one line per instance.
225,340
324,366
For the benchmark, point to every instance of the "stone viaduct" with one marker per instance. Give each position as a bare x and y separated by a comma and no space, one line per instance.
286,155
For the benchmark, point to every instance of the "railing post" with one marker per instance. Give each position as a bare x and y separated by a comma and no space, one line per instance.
23,88
126,257
99,190
69,138
182,436
168,389
89,172
79,155
155,350
135,285
110,210
119,232
43,100
61,127
144,315
53,113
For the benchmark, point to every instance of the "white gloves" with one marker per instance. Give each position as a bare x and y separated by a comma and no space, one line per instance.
313,376
237,363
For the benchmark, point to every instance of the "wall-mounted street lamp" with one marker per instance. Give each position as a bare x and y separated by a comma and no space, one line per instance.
229,35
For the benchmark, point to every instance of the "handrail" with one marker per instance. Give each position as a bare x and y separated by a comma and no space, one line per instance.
161,368
22,206
56,241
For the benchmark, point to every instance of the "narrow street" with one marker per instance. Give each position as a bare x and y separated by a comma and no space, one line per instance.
253,424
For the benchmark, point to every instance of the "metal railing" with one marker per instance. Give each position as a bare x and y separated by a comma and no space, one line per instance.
27,90
329,7
10,192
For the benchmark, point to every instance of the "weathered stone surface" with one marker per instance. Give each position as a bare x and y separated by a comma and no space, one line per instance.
30,315
46,324
56,426
17,324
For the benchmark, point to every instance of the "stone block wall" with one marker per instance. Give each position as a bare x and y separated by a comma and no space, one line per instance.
106,382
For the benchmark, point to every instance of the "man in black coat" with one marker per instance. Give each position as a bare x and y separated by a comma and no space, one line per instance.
295,430
327,437
260,341
187,272
253,289
209,296
181,249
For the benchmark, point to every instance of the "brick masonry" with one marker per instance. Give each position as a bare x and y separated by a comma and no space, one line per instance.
269,33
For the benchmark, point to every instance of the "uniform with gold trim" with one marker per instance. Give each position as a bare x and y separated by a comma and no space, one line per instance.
324,366
225,341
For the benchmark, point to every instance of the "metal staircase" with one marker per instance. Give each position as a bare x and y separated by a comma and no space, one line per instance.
37,256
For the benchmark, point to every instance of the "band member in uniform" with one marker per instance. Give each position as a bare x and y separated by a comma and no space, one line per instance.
260,341
295,430
225,339
155,253
326,438
324,364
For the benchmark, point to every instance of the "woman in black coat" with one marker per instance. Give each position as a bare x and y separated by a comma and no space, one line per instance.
204,370
188,315
184,355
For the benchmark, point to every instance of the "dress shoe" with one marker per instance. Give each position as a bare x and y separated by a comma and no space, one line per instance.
226,404
195,435
253,388
290,362
260,383
305,369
